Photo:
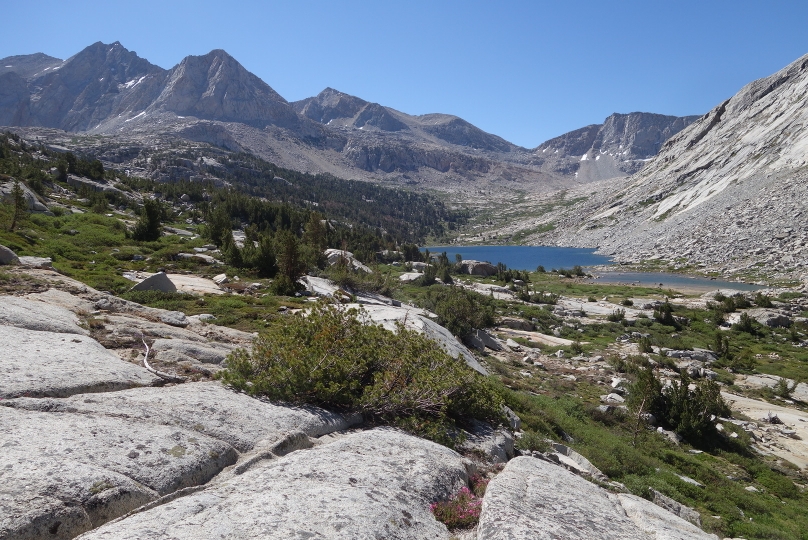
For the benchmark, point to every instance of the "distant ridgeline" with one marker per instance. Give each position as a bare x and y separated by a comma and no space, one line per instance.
363,217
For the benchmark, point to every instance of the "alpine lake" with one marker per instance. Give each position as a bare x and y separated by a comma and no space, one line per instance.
551,257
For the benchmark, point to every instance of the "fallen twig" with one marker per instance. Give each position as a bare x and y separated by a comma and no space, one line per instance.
166,376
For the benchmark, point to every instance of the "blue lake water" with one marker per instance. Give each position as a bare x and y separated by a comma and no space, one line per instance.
529,257
525,257
672,281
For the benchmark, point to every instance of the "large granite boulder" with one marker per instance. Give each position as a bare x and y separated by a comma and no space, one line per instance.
371,484
477,268
537,500
390,316
156,282
32,203
7,256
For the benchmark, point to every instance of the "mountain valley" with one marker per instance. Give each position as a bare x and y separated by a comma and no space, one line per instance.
219,321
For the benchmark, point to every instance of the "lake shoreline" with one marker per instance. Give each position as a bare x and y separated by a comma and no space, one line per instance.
606,272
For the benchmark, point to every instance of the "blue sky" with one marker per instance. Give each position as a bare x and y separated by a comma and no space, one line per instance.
524,70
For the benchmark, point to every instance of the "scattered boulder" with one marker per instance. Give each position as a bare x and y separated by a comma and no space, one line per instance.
178,350
577,463
390,316
474,341
517,324
334,256
489,341
156,282
220,279
477,268
408,277
676,508
513,344
36,262
495,444
175,318
7,256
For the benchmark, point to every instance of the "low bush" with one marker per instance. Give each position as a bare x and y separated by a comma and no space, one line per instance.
331,358
460,310
462,510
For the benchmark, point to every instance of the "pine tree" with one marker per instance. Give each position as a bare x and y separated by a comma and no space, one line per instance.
148,227
20,204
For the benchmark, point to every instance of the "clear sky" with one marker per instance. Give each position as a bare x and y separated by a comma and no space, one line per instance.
524,70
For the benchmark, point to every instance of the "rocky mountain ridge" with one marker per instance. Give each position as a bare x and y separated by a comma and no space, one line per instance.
110,91
725,194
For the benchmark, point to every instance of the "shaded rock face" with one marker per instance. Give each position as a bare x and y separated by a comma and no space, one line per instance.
618,147
28,65
7,256
328,105
477,268
91,86
457,131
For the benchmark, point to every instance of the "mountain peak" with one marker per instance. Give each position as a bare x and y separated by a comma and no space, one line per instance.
215,86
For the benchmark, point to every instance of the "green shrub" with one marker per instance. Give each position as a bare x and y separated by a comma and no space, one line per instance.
664,315
148,227
617,315
328,357
644,344
689,412
460,310
745,324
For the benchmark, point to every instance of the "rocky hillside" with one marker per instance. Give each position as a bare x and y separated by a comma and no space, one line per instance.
727,193
97,446
108,90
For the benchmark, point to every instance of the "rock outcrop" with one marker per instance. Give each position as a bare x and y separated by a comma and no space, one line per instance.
95,446
477,268
534,499
373,484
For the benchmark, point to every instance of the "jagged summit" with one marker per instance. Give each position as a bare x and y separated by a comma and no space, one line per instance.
618,147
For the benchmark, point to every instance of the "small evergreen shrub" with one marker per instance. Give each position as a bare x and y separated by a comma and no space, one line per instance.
329,357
